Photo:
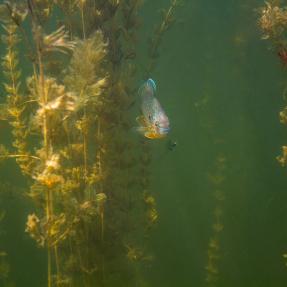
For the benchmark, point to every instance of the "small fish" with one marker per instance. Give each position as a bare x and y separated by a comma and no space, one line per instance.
153,123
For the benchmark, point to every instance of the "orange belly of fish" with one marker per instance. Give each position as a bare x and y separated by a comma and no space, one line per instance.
153,135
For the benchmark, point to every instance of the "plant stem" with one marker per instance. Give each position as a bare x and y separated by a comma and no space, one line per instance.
20,155
83,21
44,99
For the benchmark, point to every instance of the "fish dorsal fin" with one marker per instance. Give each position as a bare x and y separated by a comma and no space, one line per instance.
151,83
147,88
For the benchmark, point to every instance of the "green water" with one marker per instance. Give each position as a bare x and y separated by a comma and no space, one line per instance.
216,53
222,90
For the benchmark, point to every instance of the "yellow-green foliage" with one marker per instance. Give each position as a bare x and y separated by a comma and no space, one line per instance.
88,178
86,76
15,107
273,24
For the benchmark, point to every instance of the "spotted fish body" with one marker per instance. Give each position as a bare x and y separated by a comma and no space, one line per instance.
154,122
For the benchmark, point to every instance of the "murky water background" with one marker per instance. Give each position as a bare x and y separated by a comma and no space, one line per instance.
222,90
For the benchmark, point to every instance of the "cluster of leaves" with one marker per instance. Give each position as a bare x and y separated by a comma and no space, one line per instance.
14,106
273,24
273,21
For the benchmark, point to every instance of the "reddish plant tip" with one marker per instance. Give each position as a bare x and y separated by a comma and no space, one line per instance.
282,54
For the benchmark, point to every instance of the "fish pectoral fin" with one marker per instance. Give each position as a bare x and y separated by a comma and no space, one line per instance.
140,129
141,121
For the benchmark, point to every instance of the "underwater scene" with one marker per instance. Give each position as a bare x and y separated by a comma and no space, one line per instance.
143,143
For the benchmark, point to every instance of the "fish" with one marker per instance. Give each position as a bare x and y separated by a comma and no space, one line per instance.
153,122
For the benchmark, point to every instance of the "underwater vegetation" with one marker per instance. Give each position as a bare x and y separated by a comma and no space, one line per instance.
7,191
217,178
71,74
273,24
216,181
4,265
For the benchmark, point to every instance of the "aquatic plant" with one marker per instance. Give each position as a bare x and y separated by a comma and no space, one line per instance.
166,23
14,105
273,23
6,191
4,266
70,121
217,179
